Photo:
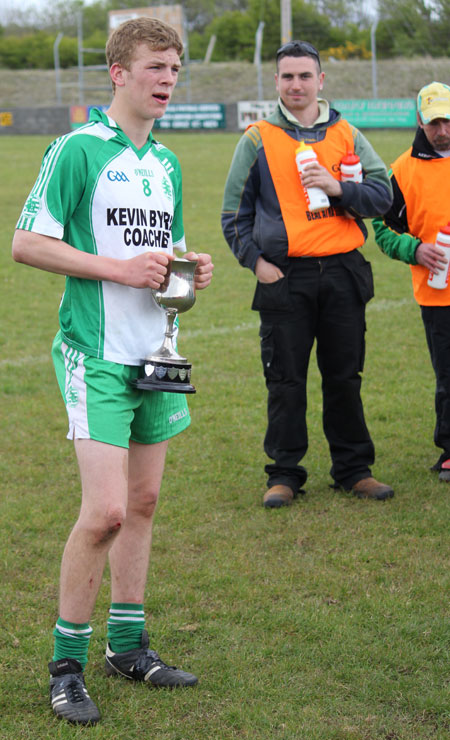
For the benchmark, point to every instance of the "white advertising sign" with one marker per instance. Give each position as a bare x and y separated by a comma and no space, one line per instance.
250,111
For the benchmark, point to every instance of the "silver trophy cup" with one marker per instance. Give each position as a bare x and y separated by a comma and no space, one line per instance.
166,370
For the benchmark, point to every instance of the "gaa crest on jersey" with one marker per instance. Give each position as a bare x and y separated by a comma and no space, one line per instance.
32,206
117,176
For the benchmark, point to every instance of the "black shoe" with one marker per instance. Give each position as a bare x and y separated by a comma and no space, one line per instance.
68,694
144,664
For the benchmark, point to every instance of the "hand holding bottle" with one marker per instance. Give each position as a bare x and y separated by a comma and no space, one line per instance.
438,278
313,177
317,176
431,257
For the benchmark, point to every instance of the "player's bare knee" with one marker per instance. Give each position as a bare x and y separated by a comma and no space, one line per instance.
109,527
145,504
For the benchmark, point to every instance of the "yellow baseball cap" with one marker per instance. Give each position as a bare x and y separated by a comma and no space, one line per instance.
433,101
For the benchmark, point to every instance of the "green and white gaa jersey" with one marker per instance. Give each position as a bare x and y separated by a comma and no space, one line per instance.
100,194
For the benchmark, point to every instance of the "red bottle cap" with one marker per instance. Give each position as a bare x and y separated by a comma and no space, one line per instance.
350,158
445,229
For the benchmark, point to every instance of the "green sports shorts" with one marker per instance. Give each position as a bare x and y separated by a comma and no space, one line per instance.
102,404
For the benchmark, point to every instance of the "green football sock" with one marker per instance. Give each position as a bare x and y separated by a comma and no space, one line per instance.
125,625
72,641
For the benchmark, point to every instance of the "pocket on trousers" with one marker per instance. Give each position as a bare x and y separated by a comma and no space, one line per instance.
268,352
361,272
272,296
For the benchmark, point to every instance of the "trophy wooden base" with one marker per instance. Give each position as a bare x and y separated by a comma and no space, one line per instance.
166,376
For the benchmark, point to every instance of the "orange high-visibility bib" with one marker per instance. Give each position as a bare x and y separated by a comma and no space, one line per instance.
424,184
324,232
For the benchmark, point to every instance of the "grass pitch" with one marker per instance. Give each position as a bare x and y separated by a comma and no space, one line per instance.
327,620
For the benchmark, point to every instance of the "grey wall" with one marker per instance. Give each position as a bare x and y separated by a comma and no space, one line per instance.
56,121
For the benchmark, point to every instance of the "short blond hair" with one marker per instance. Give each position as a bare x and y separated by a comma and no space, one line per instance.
156,34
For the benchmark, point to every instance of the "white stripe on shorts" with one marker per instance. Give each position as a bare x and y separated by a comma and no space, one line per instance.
75,393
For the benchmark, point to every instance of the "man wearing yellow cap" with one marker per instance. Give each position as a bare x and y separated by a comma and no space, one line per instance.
420,179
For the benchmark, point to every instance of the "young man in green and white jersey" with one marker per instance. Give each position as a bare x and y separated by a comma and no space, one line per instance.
106,211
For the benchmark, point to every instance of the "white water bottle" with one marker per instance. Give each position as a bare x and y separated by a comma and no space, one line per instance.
351,168
315,197
440,280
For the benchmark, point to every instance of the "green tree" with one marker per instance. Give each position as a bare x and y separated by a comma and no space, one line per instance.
440,15
235,33
198,44
307,24
95,17
345,13
407,28
200,13
27,51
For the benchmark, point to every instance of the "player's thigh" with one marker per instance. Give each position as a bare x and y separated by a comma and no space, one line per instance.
99,396
104,481
159,417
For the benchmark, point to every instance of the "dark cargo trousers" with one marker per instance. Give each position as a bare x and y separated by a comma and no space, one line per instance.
320,299
436,320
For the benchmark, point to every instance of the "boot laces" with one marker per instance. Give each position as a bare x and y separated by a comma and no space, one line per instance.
75,690
147,657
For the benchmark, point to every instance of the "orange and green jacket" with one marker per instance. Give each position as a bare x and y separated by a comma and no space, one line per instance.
420,180
265,211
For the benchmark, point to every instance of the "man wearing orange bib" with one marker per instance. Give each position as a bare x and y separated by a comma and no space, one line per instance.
420,178
313,282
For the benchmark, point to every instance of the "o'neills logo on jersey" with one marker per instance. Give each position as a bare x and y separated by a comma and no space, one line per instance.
32,206
143,227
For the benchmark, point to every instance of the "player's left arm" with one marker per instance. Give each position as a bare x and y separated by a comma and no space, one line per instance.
392,232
